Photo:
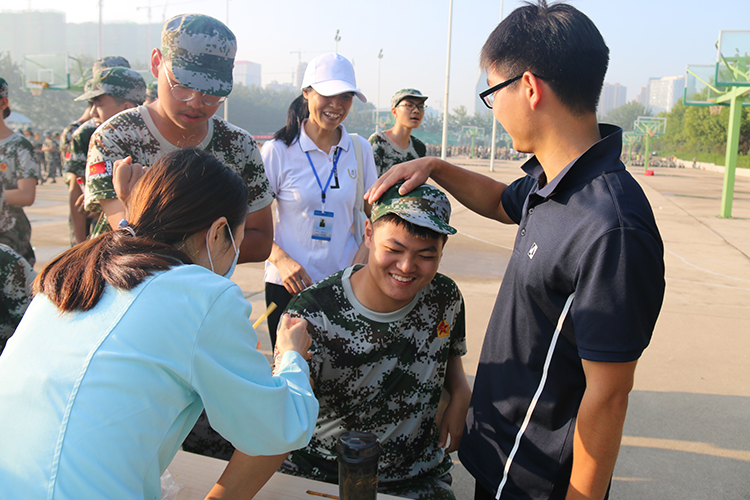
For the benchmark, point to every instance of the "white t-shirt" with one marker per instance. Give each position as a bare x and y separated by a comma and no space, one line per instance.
298,196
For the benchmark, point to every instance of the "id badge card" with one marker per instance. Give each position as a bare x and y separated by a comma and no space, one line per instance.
322,225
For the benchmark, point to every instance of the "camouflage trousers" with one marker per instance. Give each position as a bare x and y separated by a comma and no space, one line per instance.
204,440
425,487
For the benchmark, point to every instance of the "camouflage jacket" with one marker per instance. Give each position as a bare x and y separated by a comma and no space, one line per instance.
79,148
388,154
379,372
66,142
133,133
15,279
17,162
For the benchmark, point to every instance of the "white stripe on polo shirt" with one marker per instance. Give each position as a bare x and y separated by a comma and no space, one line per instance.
537,394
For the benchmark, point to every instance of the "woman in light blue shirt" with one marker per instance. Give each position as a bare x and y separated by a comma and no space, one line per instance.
132,334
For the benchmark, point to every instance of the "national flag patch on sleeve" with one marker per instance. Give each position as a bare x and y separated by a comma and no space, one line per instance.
99,169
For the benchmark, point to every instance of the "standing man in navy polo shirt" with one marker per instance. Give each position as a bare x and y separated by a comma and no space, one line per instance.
585,283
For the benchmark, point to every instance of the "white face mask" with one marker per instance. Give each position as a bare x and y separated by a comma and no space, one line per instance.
229,273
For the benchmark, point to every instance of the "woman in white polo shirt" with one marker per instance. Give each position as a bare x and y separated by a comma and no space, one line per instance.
312,167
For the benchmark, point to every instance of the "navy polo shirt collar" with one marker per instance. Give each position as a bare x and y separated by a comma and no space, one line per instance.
603,156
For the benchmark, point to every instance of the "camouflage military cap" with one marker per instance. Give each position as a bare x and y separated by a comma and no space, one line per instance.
404,93
3,88
109,62
425,206
200,51
118,82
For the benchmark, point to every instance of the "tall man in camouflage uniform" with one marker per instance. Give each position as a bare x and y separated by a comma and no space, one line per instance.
194,72
397,145
387,338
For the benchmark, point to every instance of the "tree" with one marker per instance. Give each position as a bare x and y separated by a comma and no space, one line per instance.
259,111
625,115
459,118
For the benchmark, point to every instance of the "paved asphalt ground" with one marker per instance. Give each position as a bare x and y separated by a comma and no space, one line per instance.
687,435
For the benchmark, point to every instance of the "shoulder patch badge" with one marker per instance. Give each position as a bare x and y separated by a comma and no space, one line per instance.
443,329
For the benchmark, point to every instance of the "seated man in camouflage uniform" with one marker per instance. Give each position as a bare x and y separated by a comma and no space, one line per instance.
387,338
397,145
194,72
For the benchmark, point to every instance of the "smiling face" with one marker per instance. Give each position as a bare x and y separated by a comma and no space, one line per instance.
399,266
328,112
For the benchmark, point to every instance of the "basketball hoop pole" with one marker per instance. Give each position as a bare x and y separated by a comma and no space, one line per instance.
730,161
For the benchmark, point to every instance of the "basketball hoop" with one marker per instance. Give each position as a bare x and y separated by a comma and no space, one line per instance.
36,88
651,133
715,110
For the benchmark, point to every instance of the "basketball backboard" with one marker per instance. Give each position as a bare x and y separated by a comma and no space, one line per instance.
733,59
650,126
700,85
49,71
630,138
701,88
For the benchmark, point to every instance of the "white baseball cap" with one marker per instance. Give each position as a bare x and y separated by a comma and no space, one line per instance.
331,74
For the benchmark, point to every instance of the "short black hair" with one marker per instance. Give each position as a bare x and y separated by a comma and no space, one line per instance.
421,232
555,42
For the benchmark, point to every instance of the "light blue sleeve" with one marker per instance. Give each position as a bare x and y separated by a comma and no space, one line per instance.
259,413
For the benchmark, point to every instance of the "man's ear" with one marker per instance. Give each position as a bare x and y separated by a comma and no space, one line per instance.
156,59
534,89
368,234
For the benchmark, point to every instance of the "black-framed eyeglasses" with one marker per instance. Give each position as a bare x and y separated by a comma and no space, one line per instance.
184,94
488,96
410,106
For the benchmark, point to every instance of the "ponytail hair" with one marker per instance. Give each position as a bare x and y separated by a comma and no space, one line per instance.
182,194
295,115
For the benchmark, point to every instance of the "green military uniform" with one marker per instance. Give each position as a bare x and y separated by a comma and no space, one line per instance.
133,133
383,373
79,148
388,154
16,276
17,162
66,145
52,158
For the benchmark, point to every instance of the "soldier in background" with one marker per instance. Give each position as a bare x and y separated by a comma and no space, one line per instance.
51,155
397,145
79,147
76,218
37,142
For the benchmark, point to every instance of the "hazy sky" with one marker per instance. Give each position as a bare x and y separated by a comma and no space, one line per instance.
647,38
